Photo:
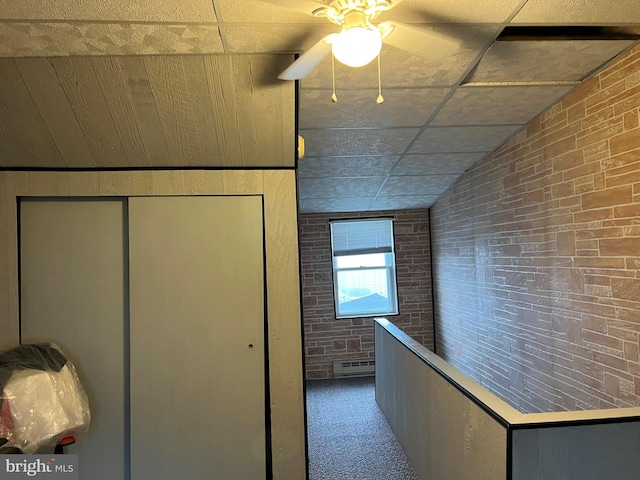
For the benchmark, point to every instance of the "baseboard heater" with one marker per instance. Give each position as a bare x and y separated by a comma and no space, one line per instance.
354,368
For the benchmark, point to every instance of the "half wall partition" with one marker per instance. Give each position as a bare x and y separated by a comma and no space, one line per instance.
452,428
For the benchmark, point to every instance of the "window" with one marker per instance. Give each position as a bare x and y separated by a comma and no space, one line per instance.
364,268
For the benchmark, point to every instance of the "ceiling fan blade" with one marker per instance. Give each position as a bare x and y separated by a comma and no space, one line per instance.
424,43
304,6
308,60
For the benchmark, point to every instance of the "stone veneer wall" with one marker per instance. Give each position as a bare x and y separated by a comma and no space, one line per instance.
537,255
327,338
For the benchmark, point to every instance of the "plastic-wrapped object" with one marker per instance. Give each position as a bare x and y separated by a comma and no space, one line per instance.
43,402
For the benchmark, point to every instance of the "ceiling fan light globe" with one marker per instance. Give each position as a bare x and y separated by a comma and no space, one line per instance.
357,46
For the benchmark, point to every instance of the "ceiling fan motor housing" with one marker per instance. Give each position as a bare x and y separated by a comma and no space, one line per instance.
338,10
355,18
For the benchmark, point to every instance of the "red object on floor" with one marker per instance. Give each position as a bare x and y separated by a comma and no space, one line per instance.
67,441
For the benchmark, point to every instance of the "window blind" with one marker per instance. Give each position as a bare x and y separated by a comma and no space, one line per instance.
358,237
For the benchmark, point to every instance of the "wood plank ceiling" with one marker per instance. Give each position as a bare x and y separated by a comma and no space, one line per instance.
120,84
143,111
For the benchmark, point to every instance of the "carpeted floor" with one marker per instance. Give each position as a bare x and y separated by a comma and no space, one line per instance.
349,437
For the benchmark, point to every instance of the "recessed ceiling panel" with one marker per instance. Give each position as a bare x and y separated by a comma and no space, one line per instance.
436,163
339,204
358,108
401,69
491,105
449,11
64,39
567,12
463,139
545,60
363,141
354,166
328,187
417,185
406,202
197,11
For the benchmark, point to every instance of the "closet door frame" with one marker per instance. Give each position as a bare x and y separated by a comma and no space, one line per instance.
74,213
278,188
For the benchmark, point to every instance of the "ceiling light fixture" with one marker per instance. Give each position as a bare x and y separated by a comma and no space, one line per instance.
359,42
355,19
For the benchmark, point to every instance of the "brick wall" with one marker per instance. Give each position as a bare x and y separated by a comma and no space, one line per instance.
537,255
327,338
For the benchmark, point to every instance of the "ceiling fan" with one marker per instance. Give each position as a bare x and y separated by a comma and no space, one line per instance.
359,41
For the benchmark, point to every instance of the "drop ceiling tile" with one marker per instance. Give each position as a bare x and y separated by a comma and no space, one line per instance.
279,37
401,69
66,39
463,139
545,60
417,185
196,11
259,11
497,105
451,11
329,187
364,141
439,163
567,12
358,108
364,166
404,202
409,11
331,205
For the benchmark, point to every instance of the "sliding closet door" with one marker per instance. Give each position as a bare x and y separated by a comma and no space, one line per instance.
72,293
197,338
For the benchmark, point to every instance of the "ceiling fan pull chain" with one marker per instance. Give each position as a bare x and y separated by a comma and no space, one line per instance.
334,97
380,98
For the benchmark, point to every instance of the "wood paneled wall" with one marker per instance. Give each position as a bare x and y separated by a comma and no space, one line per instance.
445,434
283,291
